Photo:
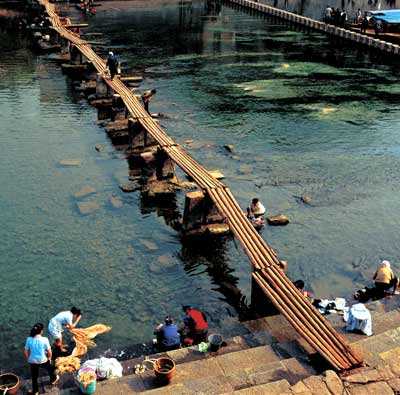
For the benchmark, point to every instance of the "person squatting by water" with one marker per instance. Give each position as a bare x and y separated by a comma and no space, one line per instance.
64,319
168,336
37,351
299,284
195,326
385,279
255,213
112,64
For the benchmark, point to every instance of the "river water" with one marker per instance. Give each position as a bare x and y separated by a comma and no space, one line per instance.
306,116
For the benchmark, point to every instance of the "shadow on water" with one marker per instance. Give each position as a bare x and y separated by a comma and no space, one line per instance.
199,254
214,261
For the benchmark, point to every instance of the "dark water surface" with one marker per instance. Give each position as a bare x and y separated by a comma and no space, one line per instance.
306,116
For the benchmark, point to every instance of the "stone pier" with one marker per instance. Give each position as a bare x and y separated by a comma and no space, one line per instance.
201,216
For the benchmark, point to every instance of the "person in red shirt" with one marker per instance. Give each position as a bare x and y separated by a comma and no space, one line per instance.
196,325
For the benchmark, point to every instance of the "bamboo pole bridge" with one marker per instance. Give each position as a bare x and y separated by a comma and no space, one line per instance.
304,317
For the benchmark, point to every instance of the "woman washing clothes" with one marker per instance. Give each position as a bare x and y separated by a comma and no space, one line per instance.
385,279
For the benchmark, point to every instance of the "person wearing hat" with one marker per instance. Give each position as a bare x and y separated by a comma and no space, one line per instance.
112,64
385,279
37,351
168,337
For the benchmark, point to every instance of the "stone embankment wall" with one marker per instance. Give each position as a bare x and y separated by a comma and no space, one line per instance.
358,38
315,8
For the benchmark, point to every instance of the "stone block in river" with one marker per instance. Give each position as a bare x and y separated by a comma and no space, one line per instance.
216,174
70,162
278,220
85,191
245,169
129,187
116,202
229,147
89,207
149,244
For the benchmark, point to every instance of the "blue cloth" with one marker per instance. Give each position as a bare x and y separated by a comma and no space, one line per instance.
388,16
171,336
37,347
57,322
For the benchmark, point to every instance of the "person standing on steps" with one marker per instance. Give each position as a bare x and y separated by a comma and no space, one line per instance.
64,319
37,351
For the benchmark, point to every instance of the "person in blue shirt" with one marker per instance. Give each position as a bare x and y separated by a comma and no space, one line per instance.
168,337
37,351
64,319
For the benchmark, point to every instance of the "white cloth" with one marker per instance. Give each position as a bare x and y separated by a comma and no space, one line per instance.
105,368
257,209
359,318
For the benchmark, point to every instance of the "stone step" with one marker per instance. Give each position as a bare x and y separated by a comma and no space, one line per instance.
235,369
280,387
378,348
220,374
211,382
281,332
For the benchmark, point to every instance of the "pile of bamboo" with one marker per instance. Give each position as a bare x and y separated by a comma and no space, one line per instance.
307,321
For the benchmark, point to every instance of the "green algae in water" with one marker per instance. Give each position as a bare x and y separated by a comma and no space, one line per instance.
305,69
269,89
351,111
392,89
276,89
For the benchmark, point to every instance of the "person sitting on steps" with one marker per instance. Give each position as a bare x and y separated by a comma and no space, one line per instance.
168,337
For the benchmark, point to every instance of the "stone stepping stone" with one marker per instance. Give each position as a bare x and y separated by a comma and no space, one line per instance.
70,162
149,244
85,191
278,220
116,202
86,208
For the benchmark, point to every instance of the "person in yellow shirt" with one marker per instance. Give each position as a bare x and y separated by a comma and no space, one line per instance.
385,278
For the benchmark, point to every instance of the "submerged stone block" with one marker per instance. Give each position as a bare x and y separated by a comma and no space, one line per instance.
85,191
89,207
278,220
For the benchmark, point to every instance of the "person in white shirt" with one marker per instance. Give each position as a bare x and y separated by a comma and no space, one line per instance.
65,319
37,351
328,14
256,209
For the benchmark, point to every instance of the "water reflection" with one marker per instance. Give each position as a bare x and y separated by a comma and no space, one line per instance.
215,262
